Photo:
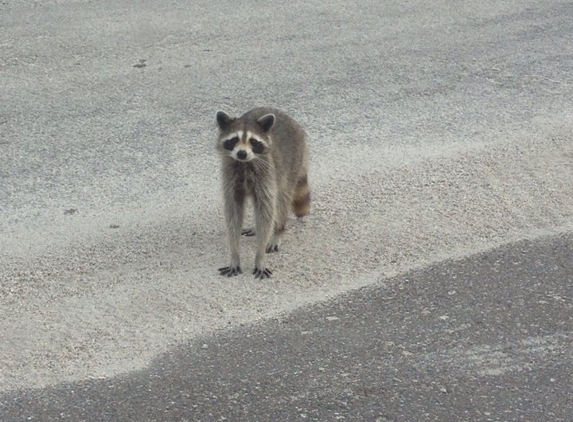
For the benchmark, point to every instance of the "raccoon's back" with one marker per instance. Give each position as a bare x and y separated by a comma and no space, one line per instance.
289,149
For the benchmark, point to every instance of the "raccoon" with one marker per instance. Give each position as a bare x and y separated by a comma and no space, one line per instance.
265,158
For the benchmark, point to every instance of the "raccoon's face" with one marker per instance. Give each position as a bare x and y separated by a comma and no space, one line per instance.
244,141
243,145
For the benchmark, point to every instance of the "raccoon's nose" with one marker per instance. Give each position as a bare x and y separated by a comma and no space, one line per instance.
241,154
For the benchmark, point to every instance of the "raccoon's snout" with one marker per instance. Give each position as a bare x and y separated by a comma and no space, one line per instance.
241,154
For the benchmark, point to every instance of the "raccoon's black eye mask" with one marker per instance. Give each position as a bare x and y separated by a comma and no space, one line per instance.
258,146
229,144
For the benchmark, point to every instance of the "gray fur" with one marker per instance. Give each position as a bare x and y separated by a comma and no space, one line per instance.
270,178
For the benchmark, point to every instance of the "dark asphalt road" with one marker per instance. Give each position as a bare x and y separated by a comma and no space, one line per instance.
488,338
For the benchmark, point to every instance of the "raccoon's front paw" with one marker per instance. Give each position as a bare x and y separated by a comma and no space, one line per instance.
262,273
230,271
248,232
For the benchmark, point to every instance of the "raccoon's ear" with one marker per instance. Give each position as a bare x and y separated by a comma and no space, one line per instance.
224,120
266,122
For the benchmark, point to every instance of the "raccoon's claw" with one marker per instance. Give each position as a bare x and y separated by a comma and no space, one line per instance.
272,248
248,232
230,271
274,243
262,273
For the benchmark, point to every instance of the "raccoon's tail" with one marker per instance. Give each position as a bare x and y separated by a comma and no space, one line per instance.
301,199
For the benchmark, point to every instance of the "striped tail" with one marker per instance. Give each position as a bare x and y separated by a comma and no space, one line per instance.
301,200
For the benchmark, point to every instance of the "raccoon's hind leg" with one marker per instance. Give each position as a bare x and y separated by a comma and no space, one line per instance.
301,200
283,207
249,231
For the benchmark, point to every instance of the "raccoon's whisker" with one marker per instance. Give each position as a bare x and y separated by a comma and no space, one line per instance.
263,164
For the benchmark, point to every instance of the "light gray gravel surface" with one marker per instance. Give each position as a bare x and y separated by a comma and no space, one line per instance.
436,130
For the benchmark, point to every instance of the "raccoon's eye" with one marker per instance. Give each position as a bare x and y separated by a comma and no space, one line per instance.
229,144
258,146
